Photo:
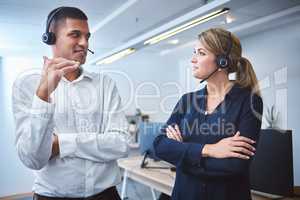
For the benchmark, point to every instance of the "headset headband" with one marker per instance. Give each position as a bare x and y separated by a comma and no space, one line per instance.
229,44
51,17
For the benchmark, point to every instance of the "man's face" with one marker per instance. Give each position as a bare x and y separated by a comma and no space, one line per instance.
72,40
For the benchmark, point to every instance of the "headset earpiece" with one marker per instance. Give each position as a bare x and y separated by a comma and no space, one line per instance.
49,37
223,59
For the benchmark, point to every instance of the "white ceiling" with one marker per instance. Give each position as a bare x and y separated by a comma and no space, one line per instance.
118,22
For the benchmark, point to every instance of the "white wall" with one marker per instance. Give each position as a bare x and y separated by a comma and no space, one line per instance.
15,178
271,52
149,84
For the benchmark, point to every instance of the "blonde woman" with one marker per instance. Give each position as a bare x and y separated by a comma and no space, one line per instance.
212,133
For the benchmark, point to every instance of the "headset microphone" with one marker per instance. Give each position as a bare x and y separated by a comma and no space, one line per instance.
222,60
92,52
209,76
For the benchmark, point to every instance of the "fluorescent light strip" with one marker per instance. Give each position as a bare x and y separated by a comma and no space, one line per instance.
164,35
186,26
180,30
116,56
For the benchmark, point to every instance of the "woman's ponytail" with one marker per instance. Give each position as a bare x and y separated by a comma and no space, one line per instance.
246,77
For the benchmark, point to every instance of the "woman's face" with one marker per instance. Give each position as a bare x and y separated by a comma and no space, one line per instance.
203,61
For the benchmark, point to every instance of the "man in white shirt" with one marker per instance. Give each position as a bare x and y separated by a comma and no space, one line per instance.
70,128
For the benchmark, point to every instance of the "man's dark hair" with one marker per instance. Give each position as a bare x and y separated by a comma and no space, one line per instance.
60,14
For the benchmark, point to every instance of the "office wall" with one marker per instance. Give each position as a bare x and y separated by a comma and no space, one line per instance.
274,54
148,81
15,178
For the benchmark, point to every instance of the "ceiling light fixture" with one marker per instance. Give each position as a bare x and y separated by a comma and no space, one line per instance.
175,41
229,18
185,26
116,56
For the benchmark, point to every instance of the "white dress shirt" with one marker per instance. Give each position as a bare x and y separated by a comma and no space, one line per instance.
86,114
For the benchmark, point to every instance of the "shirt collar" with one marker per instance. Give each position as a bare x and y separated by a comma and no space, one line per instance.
83,74
233,92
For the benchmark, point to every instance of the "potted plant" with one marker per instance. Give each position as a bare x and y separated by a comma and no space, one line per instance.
272,117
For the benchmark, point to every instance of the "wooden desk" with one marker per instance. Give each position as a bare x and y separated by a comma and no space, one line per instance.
161,180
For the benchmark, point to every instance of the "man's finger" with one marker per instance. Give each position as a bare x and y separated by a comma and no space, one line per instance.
46,61
58,60
45,58
68,69
65,64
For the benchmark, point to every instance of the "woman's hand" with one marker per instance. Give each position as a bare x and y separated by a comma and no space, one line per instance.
174,133
232,147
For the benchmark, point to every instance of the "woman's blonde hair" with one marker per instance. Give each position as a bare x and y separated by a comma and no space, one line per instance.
215,40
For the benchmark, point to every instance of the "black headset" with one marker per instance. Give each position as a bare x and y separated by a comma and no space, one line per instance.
49,37
223,59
